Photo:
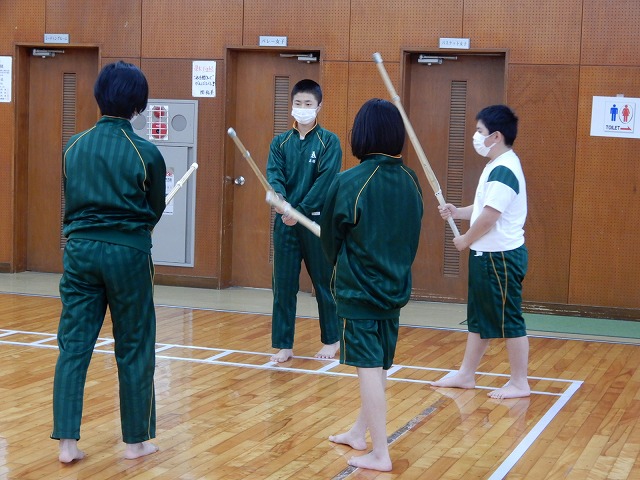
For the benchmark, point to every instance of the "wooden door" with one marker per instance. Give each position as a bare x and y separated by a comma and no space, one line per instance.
442,102
261,107
61,103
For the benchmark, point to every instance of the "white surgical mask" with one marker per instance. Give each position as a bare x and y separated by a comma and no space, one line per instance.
478,144
304,116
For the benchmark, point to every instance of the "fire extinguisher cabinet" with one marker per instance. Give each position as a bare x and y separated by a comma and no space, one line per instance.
172,125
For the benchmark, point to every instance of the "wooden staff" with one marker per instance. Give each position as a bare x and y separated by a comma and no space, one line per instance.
272,197
185,177
431,177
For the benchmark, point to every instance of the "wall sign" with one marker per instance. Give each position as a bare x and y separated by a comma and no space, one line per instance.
463,43
272,41
5,79
615,117
56,38
203,79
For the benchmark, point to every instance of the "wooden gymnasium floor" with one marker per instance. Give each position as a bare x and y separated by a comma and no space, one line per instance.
225,412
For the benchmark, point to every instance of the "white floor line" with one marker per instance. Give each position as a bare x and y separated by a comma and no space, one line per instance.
43,340
214,360
535,432
219,355
329,366
163,348
393,369
498,474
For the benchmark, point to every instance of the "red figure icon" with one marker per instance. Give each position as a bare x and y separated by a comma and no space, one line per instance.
626,112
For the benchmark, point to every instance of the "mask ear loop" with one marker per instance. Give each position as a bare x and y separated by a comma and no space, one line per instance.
494,143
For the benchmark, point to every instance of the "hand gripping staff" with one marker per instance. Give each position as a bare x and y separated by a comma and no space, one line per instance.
272,198
185,177
431,177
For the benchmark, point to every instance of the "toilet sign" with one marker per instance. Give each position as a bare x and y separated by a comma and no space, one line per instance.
615,117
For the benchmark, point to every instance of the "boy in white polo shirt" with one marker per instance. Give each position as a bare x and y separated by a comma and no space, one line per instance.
497,257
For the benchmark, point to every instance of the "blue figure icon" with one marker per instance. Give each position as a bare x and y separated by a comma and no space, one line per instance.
614,112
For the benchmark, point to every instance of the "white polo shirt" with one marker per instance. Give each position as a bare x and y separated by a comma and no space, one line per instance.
502,187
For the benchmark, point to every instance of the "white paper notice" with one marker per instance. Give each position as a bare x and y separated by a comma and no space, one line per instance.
169,184
5,78
203,79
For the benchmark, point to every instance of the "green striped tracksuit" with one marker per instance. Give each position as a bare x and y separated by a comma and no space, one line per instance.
370,231
301,170
114,195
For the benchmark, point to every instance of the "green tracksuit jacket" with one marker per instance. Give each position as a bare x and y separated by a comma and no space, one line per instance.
302,170
114,185
370,230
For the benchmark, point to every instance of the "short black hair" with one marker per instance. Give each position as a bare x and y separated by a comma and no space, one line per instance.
121,90
500,118
377,128
308,86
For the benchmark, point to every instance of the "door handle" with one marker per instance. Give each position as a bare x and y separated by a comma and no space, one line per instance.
239,181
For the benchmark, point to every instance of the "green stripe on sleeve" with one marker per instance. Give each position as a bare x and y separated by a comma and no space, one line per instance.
503,175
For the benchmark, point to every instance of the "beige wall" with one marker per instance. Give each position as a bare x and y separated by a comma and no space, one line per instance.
582,190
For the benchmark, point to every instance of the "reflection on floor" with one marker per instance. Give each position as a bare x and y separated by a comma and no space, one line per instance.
252,300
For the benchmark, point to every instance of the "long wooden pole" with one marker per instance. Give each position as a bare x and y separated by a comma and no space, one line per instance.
431,177
272,198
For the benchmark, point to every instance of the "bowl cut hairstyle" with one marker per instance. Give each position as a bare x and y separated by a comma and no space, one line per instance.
308,86
121,90
377,128
500,118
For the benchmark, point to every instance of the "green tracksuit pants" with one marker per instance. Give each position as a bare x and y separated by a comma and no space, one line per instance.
97,275
291,246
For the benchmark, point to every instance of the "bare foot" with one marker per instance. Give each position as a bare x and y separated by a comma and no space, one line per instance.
328,351
516,407
283,355
456,381
371,462
510,391
348,438
137,450
69,451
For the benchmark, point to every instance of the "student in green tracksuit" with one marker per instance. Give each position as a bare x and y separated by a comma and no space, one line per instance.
370,231
114,184
303,162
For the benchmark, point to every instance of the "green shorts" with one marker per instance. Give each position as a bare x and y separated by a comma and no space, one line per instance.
369,343
494,308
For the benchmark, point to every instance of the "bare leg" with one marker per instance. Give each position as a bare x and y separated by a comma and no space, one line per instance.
328,351
69,451
518,385
374,411
137,450
283,355
355,437
466,376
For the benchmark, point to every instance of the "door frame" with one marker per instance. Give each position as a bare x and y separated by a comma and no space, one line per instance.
229,148
406,67
22,54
